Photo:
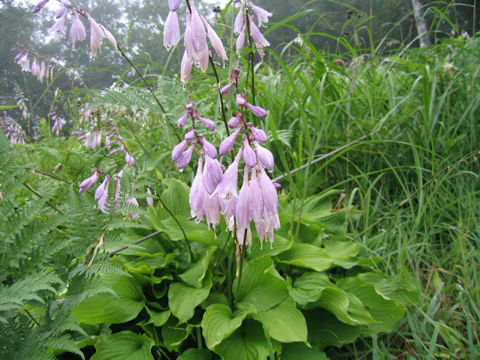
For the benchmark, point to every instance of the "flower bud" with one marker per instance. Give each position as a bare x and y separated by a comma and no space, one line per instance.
259,134
178,150
234,122
183,120
248,154
264,156
209,149
241,100
208,123
227,144
185,158
226,89
257,110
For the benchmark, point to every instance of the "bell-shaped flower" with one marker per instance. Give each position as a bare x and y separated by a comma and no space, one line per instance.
259,134
111,39
209,124
234,122
265,157
212,174
77,30
185,68
249,156
129,159
197,193
238,24
209,149
183,120
88,182
190,136
40,6
66,3
226,89
59,27
171,30
255,204
178,150
96,36
262,14
185,158
257,36
257,110
240,43
101,194
212,211
118,188
195,39
227,144
215,41
242,215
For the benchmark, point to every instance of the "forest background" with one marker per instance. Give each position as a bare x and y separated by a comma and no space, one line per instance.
393,130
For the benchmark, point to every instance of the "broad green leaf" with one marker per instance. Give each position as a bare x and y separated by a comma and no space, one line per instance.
317,288
183,299
308,256
124,345
176,198
259,285
284,322
401,288
297,351
107,308
309,287
195,275
157,318
196,354
247,343
387,313
174,334
324,329
280,245
219,322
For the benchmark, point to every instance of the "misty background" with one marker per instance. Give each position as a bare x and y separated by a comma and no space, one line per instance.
384,25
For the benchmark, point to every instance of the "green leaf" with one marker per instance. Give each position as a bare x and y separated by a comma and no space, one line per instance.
296,351
124,345
325,330
195,275
111,309
314,287
157,318
176,198
183,299
284,322
259,285
196,354
308,256
219,322
174,335
280,245
8,107
247,343
387,313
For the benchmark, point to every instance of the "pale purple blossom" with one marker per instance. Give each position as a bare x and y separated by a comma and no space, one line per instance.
209,124
249,156
212,174
129,159
259,134
96,35
88,182
59,27
178,150
185,158
265,157
40,6
215,41
262,14
209,149
101,194
227,144
234,122
171,32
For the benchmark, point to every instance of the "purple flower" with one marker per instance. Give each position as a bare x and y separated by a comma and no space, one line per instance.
259,134
257,110
88,182
207,122
249,156
234,122
66,3
186,67
40,6
129,159
240,43
262,14
183,120
257,36
197,193
227,144
178,150
174,4
264,156
241,209
185,158
238,24
215,41
111,39
59,27
96,36
255,203
118,184
209,149
77,30
190,136
212,174
195,39
171,31
101,194
241,100
226,89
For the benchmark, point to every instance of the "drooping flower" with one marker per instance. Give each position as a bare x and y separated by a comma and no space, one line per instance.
171,32
88,182
96,35
77,30
227,144
101,194
59,27
40,6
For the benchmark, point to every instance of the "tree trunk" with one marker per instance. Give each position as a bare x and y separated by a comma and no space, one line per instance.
420,23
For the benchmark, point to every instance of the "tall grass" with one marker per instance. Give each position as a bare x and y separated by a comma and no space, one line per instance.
413,179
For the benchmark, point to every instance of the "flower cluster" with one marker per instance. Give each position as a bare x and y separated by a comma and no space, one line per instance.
244,22
77,30
195,38
58,122
40,67
12,130
214,192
